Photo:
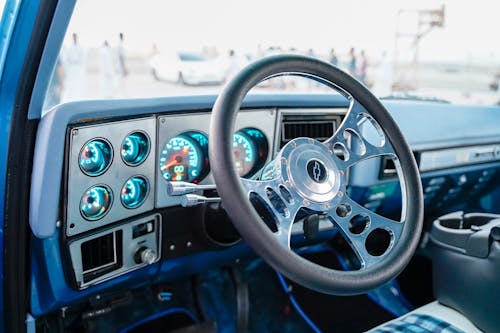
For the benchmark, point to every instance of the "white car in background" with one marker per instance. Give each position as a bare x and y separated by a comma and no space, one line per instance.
188,68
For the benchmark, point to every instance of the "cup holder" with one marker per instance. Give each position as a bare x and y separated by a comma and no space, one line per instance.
468,234
460,221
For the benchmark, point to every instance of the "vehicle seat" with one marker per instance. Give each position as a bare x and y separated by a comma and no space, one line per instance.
431,318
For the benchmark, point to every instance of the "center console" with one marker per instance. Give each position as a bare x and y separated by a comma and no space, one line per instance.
466,266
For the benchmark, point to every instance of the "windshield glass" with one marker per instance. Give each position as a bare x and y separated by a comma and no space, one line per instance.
399,49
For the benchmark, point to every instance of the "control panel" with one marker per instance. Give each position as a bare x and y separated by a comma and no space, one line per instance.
115,251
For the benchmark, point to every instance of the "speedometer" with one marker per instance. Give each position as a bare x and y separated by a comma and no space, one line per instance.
250,150
184,158
244,153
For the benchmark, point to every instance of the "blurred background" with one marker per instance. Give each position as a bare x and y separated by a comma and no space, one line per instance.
412,49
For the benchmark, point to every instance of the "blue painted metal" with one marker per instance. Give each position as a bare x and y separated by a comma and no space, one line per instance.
16,28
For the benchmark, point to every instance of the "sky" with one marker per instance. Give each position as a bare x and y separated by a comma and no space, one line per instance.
469,32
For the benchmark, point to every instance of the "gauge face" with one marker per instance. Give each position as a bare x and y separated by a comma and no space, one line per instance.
134,192
95,202
95,157
184,158
250,150
244,154
135,148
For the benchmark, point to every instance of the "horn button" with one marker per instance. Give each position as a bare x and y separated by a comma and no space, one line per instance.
312,170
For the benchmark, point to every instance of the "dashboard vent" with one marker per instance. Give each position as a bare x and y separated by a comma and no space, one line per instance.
101,255
388,168
319,127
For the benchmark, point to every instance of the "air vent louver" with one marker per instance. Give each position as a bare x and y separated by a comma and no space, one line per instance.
101,255
319,127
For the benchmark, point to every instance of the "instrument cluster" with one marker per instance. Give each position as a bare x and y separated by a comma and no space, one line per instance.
121,169
184,157
110,173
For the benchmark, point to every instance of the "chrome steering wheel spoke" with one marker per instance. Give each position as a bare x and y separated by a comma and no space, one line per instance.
358,138
358,225
282,202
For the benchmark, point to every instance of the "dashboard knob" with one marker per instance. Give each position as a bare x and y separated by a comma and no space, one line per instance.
145,255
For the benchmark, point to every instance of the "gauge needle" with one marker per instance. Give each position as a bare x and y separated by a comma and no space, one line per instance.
172,162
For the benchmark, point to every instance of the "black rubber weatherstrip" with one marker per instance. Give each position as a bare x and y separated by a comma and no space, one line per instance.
19,164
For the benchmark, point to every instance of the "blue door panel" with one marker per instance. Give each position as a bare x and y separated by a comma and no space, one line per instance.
16,27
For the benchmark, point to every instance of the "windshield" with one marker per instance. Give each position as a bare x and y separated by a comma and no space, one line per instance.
399,49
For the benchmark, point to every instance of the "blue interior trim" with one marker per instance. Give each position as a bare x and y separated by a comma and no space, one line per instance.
16,28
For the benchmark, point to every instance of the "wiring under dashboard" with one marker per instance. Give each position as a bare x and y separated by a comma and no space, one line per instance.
295,304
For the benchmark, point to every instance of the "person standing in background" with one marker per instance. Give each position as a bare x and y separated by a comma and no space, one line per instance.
384,80
333,58
74,60
363,67
122,69
352,62
120,50
107,71
56,86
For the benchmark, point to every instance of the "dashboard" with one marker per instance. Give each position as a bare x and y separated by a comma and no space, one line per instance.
115,220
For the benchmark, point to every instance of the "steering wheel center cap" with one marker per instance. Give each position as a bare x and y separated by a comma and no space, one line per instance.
317,171
311,170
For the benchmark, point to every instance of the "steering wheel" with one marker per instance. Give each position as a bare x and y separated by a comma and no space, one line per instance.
310,174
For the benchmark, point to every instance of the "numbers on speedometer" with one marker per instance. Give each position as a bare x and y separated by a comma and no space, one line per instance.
250,151
185,158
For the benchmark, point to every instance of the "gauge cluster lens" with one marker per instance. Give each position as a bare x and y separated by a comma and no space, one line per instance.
134,192
135,148
96,202
244,153
95,157
185,158
250,151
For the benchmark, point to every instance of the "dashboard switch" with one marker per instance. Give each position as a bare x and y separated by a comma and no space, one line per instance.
145,255
143,229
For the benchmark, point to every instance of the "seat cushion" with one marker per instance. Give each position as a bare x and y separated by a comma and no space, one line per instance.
431,318
418,323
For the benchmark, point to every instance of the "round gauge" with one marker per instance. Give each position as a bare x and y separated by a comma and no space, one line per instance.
134,192
250,151
244,153
95,157
185,158
135,148
95,202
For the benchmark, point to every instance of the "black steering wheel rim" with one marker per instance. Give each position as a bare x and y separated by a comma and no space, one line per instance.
248,222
